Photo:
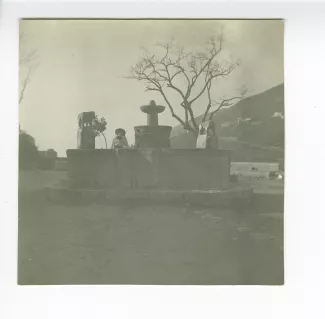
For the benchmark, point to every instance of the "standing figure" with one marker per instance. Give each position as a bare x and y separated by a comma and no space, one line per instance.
120,141
207,137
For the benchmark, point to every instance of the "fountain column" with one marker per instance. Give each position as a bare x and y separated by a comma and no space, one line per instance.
86,136
152,135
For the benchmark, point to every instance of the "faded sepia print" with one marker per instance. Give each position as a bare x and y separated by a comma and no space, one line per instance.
151,152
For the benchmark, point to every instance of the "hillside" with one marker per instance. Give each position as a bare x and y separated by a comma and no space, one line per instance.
253,128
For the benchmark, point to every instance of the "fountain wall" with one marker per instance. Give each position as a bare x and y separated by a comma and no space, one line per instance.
149,168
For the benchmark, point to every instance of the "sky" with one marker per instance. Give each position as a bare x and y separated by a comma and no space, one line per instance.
84,64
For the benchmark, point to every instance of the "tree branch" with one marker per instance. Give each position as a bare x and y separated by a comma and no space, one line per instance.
212,76
226,102
209,103
161,72
213,52
196,127
28,60
185,125
26,81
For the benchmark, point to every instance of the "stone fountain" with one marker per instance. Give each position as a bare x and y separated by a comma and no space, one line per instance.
150,171
152,135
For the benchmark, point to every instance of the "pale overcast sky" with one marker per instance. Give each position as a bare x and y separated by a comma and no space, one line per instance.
83,65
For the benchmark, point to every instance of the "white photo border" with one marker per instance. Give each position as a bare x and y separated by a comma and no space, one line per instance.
301,296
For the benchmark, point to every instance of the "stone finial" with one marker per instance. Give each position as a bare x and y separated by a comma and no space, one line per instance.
152,110
86,136
86,118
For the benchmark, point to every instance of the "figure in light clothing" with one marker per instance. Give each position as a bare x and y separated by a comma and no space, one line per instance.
120,141
207,137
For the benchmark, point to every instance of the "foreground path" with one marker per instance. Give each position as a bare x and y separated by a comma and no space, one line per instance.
146,244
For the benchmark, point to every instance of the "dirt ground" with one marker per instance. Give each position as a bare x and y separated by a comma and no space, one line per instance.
153,244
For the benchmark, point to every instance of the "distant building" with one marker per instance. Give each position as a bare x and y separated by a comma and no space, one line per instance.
278,115
47,159
248,119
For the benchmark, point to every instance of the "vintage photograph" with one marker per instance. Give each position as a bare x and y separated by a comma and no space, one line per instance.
151,152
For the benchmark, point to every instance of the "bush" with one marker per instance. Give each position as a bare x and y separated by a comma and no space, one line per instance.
28,152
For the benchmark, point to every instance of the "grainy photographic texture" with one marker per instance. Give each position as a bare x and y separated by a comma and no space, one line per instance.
151,152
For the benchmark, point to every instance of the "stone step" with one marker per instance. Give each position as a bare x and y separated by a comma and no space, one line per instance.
236,196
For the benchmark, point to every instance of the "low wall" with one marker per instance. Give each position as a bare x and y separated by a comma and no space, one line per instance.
61,165
150,168
281,164
194,168
138,168
46,163
93,168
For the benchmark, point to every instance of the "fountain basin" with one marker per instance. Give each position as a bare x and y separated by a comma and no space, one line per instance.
152,136
152,109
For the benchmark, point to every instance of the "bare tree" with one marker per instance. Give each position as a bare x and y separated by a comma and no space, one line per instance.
196,73
28,63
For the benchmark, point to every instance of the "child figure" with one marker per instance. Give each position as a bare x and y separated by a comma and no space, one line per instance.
120,141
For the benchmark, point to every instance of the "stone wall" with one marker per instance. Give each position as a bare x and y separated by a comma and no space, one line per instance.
61,164
150,168
281,164
137,168
194,168
85,138
93,168
47,159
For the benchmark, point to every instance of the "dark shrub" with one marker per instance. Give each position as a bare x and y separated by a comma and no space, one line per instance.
28,153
